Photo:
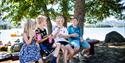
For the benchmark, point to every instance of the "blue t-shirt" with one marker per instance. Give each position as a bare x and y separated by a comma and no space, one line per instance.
72,30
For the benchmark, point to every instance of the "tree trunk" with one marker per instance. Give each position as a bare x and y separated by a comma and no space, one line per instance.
46,13
80,12
65,23
65,11
49,25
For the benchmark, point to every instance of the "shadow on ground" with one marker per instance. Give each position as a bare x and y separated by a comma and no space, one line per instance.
105,54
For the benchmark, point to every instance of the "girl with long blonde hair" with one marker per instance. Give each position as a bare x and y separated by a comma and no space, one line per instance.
30,52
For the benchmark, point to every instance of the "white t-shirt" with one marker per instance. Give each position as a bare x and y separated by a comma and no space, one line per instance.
62,31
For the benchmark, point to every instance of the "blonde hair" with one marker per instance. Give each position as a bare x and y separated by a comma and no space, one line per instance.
40,19
29,26
60,17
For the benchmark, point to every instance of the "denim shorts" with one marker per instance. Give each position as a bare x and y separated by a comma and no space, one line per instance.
75,43
85,44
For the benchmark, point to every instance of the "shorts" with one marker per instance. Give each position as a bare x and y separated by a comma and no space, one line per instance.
46,48
85,44
75,43
63,42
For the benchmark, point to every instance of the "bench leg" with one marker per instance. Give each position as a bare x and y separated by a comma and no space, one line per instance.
92,52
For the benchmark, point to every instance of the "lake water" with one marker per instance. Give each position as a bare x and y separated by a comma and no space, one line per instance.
100,33
93,33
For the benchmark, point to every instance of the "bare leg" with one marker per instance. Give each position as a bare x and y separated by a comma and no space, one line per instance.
58,57
54,55
76,50
65,52
65,55
30,62
57,49
70,51
40,60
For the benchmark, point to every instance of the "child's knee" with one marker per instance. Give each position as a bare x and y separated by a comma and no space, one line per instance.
40,60
58,45
71,52
86,45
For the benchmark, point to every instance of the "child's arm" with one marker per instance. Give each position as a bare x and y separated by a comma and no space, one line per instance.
45,38
55,32
73,35
25,37
64,34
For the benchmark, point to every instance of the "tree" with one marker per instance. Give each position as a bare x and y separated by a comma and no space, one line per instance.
46,13
65,13
100,9
97,10
20,9
80,12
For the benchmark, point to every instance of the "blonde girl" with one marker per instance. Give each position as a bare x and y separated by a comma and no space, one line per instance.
45,43
60,34
29,52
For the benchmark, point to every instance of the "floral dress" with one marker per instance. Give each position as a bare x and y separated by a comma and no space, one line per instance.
29,52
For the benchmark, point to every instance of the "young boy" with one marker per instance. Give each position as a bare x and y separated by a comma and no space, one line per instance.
75,37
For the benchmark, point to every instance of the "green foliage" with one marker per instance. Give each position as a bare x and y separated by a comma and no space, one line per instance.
100,9
95,9
19,9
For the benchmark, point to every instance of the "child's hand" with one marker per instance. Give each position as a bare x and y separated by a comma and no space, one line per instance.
61,35
32,34
58,30
54,45
74,35
39,37
81,39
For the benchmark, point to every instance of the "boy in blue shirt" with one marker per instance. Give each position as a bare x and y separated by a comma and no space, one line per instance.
75,37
